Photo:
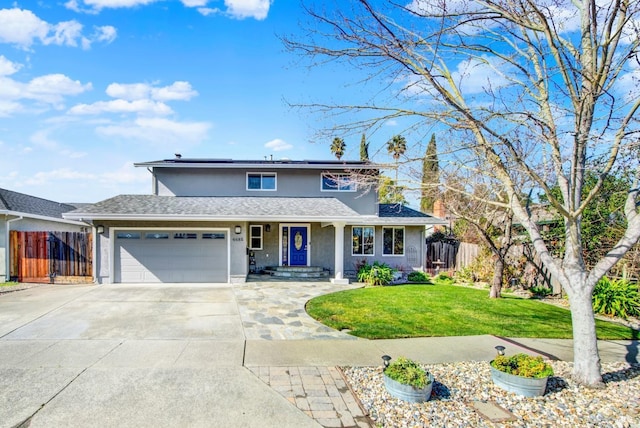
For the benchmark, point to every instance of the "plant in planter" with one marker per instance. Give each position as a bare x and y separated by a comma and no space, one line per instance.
406,380
521,373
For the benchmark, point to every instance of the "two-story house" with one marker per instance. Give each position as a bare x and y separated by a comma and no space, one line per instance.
217,220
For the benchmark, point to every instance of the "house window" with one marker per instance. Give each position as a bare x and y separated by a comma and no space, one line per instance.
261,181
128,235
156,236
363,239
185,235
255,237
338,183
213,236
393,241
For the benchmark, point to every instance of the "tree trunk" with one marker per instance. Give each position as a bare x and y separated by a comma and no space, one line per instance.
498,273
586,359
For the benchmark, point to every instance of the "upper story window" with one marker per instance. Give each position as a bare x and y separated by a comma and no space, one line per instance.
338,183
261,181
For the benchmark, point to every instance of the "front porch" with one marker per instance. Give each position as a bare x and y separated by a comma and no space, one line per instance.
291,273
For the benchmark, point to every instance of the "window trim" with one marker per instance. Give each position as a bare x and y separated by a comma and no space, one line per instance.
353,186
250,237
373,245
262,174
393,237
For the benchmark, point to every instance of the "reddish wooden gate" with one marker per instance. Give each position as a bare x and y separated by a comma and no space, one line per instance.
51,256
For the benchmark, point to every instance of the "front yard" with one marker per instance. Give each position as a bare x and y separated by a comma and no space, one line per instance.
446,310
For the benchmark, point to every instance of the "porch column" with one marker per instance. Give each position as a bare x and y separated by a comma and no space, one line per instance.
339,254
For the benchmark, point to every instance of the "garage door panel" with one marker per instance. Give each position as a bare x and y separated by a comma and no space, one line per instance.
171,260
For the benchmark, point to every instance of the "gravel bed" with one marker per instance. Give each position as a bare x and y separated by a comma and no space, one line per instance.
565,403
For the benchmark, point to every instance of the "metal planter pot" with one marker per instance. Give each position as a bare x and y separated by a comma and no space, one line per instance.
526,386
408,392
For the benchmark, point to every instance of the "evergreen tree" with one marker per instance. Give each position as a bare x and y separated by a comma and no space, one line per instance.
364,149
430,176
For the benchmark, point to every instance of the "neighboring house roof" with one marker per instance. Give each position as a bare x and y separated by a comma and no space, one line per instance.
394,213
279,164
154,207
21,204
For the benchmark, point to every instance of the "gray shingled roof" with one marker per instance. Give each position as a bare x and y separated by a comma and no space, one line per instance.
149,207
21,203
153,206
402,214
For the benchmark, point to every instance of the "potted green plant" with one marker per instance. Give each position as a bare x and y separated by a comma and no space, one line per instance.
406,380
520,373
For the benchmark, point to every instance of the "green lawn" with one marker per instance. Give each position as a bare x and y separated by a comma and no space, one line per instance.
446,310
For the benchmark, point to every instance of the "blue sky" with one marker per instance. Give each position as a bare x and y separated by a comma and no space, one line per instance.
88,87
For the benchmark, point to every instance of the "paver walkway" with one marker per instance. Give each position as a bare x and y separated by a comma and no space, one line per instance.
320,392
275,310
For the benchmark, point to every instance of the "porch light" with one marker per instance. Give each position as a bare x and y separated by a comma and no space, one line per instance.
500,349
100,229
267,228
238,230
386,359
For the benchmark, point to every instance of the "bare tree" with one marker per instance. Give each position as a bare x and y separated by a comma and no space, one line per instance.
545,89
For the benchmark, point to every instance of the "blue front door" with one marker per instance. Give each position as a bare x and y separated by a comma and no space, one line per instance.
298,246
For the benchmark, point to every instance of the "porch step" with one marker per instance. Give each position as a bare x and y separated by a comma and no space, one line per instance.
298,271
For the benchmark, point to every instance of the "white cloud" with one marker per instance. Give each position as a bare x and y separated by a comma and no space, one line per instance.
181,91
23,28
48,89
52,88
105,33
7,108
65,33
137,91
194,3
122,106
241,9
628,85
7,68
206,11
95,6
278,145
126,174
140,98
474,76
57,175
158,130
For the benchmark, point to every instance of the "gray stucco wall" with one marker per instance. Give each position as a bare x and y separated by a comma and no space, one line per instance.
414,237
233,182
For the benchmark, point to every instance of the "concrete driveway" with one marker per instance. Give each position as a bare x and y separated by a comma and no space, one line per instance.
118,355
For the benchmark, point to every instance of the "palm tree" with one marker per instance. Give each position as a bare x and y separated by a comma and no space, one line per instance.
396,147
337,147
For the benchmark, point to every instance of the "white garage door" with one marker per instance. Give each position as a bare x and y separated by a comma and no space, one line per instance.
171,256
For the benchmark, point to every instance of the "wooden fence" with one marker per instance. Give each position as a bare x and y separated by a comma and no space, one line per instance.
48,257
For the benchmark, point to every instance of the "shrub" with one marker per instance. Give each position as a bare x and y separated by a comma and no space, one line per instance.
540,291
465,275
616,297
445,279
523,365
376,274
407,372
418,276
